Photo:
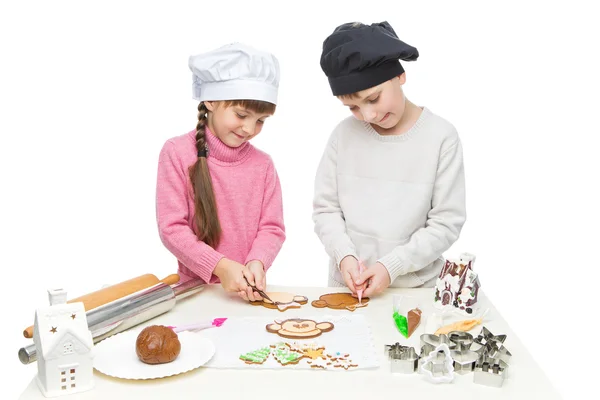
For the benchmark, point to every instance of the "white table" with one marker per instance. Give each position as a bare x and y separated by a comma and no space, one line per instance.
525,379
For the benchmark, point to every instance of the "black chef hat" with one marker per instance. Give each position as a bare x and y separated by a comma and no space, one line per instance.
357,56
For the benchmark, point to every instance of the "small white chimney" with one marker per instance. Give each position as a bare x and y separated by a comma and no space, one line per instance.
57,296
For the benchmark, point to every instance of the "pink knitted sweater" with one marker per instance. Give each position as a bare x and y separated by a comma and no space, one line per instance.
249,205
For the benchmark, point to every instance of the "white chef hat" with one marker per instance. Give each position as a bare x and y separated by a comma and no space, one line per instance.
235,72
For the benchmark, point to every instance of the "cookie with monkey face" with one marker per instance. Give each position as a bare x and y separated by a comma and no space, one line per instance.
298,328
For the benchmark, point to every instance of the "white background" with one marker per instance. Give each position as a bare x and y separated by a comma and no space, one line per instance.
89,93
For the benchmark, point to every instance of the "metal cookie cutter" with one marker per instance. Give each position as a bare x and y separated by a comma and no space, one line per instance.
486,336
403,359
429,342
464,361
491,346
438,365
490,372
463,340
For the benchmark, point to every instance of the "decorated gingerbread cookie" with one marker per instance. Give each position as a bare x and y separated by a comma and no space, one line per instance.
337,355
314,354
291,353
299,328
257,356
281,301
339,301
305,347
318,363
284,355
344,363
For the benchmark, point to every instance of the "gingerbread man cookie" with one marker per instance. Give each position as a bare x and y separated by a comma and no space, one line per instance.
339,301
281,301
299,328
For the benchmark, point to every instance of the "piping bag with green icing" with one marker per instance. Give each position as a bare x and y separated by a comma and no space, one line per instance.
407,315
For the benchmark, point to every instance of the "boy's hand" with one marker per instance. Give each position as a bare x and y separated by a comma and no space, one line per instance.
232,274
378,279
255,273
350,273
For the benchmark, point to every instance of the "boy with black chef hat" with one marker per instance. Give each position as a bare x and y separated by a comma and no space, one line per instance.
390,187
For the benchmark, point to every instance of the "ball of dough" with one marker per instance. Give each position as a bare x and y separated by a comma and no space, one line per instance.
157,344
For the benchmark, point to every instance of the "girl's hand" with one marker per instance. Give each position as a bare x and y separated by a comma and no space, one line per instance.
350,274
233,277
255,274
377,278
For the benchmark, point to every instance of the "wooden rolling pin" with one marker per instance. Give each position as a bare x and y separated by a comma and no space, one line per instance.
114,292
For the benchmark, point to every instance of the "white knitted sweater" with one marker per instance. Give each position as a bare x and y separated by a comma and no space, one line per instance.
399,200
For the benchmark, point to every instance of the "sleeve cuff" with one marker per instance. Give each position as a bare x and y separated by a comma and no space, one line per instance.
340,253
265,258
394,266
207,264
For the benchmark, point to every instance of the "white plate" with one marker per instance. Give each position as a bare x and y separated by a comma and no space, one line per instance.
116,356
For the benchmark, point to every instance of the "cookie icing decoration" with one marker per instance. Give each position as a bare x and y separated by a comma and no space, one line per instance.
344,363
313,354
257,356
319,363
285,356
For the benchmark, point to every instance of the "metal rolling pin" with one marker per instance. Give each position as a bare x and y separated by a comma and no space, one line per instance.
129,311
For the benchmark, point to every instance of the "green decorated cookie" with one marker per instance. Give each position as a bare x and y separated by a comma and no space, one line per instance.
284,356
257,356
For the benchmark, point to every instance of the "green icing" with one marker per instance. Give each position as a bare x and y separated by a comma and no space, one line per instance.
257,356
401,323
285,356
281,352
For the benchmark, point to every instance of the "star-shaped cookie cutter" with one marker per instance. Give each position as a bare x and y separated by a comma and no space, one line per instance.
491,368
491,346
403,359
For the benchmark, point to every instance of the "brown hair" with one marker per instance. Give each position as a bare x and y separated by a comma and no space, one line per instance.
348,96
206,217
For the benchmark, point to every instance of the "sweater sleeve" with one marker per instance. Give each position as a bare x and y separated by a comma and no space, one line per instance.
173,216
444,221
328,217
271,229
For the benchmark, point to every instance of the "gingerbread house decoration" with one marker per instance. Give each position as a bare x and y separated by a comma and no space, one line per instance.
64,346
457,285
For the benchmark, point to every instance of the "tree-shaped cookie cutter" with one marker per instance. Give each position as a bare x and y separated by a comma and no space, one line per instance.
403,359
457,341
438,366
